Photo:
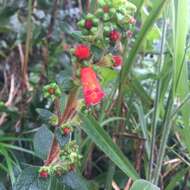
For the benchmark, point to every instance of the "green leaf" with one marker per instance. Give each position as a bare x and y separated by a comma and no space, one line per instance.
111,119
74,181
143,185
181,82
2,187
143,126
29,180
62,140
139,90
6,13
176,178
107,74
44,4
44,114
64,79
105,143
42,142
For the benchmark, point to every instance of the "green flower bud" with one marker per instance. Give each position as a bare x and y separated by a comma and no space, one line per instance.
106,17
51,91
94,30
95,21
53,120
89,16
99,12
81,23
112,11
107,29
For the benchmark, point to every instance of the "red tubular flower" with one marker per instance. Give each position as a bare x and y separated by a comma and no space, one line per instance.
118,60
92,91
88,24
114,35
82,52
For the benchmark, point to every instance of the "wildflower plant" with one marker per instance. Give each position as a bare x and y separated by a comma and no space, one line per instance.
103,31
93,98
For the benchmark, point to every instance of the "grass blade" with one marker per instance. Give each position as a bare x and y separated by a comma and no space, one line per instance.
105,143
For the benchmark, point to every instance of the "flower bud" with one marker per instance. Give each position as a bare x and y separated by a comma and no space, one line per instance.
88,24
82,52
44,172
114,36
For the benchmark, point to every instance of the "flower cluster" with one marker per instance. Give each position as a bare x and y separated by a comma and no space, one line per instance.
69,158
105,29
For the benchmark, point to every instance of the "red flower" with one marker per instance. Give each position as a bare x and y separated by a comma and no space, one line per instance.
118,60
82,52
114,35
66,131
43,174
92,91
88,24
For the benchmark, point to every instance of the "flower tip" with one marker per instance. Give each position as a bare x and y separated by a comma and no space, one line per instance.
44,174
92,90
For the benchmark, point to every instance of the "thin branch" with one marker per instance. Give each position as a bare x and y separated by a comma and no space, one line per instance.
115,186
52,21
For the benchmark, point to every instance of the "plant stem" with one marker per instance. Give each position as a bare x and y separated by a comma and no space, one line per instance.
27,48
156,103
165,134
70,106
111,172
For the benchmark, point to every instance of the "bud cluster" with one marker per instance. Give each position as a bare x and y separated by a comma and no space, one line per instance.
69,158
51,91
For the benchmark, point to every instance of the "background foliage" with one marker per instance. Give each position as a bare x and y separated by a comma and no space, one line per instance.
140,131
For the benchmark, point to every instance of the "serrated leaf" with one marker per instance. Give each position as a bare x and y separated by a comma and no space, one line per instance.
29,180
42,142
105,143
143,185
